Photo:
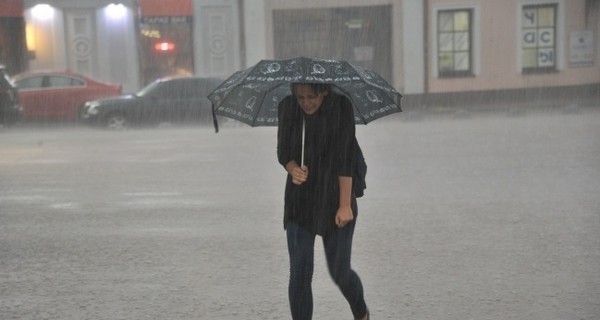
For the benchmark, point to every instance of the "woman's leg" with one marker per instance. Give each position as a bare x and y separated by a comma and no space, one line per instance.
301,250
338,249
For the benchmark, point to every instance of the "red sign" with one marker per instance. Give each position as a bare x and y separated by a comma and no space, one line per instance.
11,8
166,8
164,46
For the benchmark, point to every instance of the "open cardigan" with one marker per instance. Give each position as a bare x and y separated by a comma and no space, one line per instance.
328,154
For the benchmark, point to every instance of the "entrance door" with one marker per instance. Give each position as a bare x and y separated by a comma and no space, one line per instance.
80,40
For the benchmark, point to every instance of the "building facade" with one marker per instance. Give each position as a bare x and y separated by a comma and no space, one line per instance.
513,48
433,51
449,51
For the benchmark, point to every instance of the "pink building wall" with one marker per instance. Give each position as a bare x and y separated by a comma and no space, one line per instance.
497,53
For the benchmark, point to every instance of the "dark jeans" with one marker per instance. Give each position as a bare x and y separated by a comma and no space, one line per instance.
338,248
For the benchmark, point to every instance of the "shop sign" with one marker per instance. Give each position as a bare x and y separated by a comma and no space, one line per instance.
166,20
581,49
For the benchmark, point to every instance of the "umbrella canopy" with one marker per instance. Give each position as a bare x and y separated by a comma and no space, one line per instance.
252,95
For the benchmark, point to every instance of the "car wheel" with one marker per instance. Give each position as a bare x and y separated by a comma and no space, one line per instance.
116,121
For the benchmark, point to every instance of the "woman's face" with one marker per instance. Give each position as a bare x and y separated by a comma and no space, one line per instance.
308,100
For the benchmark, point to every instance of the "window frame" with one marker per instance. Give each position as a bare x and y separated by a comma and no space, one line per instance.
537,46
454,73
474,38
559,37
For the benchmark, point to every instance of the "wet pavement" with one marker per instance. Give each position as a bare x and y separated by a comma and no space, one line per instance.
478,218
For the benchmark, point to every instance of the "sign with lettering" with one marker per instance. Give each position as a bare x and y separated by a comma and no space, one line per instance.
581,49
538,36
543,37
166,20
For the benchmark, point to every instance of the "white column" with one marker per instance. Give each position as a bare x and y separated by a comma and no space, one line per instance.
412,47
216,37
255,33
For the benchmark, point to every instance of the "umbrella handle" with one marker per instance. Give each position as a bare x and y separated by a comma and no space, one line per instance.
302,154
215,123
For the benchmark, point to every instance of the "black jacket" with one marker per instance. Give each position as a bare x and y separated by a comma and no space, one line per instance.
329,154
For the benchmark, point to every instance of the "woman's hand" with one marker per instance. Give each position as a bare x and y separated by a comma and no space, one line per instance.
299,174
343,216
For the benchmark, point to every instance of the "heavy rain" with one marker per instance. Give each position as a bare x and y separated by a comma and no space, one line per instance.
481,203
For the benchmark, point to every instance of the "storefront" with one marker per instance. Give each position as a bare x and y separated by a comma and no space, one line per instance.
369,34
12,36
360,35
166,41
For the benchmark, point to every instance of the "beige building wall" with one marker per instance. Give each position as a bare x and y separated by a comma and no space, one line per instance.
497,46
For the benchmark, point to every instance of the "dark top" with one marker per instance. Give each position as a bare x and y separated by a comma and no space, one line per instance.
328,154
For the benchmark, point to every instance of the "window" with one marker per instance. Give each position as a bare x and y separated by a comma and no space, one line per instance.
165,90
30,83
455,45
171,89
538,38
59,82
173,32
361,35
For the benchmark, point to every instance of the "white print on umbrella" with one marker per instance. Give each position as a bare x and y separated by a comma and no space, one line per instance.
271,68
250,103
318,69
373,97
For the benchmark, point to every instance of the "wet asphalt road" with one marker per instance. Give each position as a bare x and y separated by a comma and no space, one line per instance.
481,218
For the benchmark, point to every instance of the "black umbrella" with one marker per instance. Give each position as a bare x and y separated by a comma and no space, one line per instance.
252,95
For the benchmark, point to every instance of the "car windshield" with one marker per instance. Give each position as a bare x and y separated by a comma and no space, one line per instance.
147,89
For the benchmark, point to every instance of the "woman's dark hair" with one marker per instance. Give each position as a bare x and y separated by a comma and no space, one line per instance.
317,88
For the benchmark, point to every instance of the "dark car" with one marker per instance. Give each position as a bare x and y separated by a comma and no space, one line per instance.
169,100
10,110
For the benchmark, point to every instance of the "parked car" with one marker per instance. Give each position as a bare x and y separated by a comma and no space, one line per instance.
169,100
10,110
59,95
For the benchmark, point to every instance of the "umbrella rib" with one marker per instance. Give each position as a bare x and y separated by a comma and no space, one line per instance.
262,98
353,103
264,83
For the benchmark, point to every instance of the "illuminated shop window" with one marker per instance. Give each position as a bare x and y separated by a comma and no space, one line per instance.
455,48
538,38
167,50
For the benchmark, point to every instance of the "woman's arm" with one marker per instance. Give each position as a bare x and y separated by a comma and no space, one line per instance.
344,213
284,133
346,156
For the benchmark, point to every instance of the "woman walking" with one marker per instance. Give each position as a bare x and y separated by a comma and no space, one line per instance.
315,145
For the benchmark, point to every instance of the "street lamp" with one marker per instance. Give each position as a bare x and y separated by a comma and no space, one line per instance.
116,10
42,11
